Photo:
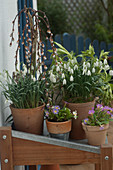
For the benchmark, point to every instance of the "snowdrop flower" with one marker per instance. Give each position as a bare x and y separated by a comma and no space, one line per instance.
34,79
93,70
105,61
58,68
29,71
75,67
71,71
72,61
64,81
84,64
96,64
63,75
52,78
100,63
111,72
68,64
89,73
38,74
71,78
65,66
88,64
84,71
106,67
32,67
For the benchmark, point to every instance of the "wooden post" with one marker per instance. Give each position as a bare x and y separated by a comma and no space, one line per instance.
97,167
106,157
6,148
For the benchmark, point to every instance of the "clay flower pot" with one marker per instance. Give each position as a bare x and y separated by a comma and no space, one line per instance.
82,109
28,120
96,135
59,130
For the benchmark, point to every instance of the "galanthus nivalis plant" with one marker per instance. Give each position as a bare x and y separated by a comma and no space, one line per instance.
99,116
57,114
82,77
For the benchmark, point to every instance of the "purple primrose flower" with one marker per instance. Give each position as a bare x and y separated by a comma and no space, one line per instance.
99,106
106,108
101,127
47,113
57,107
91,112
85,121
55,111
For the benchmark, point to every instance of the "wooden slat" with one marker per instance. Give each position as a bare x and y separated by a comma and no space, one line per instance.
80,44
6,148
66,41
103,46
57,38
109,49
97,167
87,43
34,153
73,43
106,157
96,47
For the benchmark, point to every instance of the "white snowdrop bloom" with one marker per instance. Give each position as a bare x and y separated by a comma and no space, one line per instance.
96,64
100,63
89,73
63,75
106,67
75,67
105,61
93,70
71,71
64,81
84,64
38,74
72,61
71,78
65,66
84,71
58,68
101,67
111,72
68,64
88,64
28,71
54,80
75,114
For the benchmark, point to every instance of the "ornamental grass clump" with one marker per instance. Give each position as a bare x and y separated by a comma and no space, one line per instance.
57,114
27,88
99,116
82,77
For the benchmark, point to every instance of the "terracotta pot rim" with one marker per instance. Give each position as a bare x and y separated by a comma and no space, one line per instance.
58,122
79,104
11,106
92,128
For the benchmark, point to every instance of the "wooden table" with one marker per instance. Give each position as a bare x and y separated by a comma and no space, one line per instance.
18,148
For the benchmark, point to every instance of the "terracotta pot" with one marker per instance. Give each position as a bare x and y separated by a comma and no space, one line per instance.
77,131
28,120
50,167
95,135
58,127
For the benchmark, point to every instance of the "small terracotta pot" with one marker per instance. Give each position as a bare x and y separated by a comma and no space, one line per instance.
82,109
50,167
95,135
59,127
28,120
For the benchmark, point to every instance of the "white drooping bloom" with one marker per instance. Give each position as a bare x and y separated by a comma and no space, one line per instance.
105,61
71,71
96,64
88,64
100,63
28,71
75,67
38,74
93,70
84,64
58,68
72,61
32,67
84,71
89,73
71,78
64,81
111,72
34,79
52,78
68,64
106,67
24,69
65,66
63,75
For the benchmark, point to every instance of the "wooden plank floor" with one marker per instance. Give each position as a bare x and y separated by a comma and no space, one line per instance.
89,166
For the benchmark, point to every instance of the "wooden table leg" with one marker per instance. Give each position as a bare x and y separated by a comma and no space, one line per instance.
106,157
6,148
97,167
